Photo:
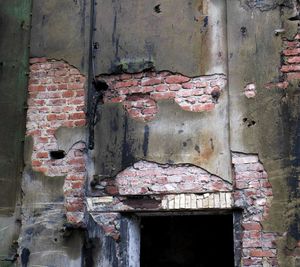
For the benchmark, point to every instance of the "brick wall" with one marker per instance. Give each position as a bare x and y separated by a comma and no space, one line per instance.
290,68
151,178
253,193
55,99
139,92
184,188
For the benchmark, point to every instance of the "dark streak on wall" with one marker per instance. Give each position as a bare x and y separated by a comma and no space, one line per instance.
14,42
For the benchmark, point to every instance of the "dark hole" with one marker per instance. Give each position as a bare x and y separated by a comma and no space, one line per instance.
57,154
100,85
157,9
245,119
297,17
251,123
55,239
244,31
187,241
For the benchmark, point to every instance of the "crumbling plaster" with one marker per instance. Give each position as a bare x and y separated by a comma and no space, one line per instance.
253,57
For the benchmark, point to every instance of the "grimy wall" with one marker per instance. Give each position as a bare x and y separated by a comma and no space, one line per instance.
147,107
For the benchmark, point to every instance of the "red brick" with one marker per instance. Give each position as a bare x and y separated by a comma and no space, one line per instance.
37,60
36,88
151,81
201,84
35,132
74,86
290,68
43,139
80,123
79,93
251,226
68,124
251,243
74,101
188,85
42,155
138,75
52,117
77,116
203,107
68,94
161,88
118,99
76,161
163,95
135,113
36,163
292,60
77,185
177,79
75,177
174,87
252,262
77,206
291,52
41,169
63,86
292,44
126,84
261,253
54,94
112,190
56,102
293,76
150,110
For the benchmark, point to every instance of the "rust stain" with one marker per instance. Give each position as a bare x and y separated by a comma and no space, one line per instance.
206,152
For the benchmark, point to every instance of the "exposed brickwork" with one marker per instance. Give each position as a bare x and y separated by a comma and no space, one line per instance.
56,98
253,193
139,92
173,186
109,223
250,90
290,69
151,178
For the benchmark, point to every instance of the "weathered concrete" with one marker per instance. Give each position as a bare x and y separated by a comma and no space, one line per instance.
44,233
267,123
61,30
15,30
173,137
159,40
257,113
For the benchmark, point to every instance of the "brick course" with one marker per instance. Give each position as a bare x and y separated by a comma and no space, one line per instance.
184,187
139,92
55,99
290,68
253,193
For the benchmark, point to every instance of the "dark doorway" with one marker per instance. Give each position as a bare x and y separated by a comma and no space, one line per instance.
187,241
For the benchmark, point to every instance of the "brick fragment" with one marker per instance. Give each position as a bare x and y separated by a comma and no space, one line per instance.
174,79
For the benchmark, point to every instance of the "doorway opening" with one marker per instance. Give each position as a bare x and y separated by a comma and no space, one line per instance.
187,241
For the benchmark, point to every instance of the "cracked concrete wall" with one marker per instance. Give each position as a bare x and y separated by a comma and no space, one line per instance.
257,112
267,123
14,41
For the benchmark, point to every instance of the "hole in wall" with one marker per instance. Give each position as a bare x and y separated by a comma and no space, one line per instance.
248,122
157,8
100,85
244,31
57,154
187,241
